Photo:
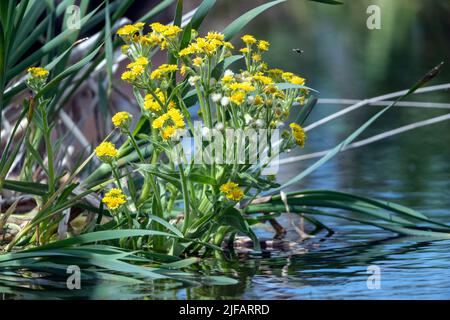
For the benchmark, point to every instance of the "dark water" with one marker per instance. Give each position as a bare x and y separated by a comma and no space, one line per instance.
343,59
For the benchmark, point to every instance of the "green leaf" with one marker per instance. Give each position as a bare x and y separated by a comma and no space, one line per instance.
328,1
287,85
73,68
181,264
101,236
233,218
26,187
237,25
157,9
202,179
166,224
305,110
108,48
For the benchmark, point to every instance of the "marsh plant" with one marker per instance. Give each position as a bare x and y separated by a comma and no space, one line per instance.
180,179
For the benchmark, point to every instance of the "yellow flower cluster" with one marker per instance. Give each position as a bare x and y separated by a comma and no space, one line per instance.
261,45
292,78
260,78
248,39
163,70
121,119
106,151
130,30
150,103
168,122
135,69
299,134
244,86
38,72
232,191
161,35
208,45
238,97
169,31
114,198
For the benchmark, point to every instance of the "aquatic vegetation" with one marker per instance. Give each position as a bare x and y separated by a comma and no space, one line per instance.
146,202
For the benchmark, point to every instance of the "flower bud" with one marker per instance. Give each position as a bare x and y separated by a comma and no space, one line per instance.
225,101
215,97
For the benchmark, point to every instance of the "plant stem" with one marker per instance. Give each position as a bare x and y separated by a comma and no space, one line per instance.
185,192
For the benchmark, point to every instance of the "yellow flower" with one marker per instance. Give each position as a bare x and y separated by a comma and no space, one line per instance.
159,122
187,51
197,61
106,151
166,31
177,117
162,70
258,100
244,86
275,71
127,76
168,132
114,198
172,31
121,119
227,187
248,39
235,194
139,25
299,134
263,79
270,89
215,36
228,45
238,98
129,30
263,45
135,69
227,78
256,57
151,104
139,62
244,50
287,76
297,80
183,70
158,27
38,72
232,191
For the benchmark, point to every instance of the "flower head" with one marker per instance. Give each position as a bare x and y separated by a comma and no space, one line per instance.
263,45
163,70
37,78
128,31
299,134
238,98
135,69
114,198
122,120
232,191
235,194
106,151
297,80
227,187
38,72
248,39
